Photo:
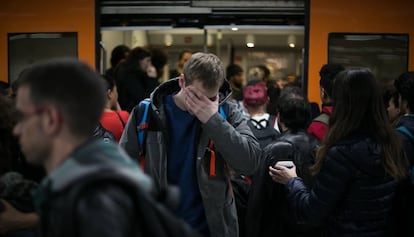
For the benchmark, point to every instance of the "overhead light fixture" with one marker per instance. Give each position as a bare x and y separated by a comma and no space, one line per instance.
219,35
209,40
168,40
250,41
234,27
291,41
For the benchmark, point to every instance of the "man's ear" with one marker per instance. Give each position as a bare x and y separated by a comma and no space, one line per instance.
181,81
53,120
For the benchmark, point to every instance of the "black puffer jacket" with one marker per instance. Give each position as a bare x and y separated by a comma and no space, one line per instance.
268,212
352,194
133,86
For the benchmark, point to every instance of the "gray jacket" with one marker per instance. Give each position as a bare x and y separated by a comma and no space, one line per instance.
235,147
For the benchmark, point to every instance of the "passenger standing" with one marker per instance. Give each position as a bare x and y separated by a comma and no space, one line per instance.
262,72
60,103
268,211
263,125
113,120
135,78
319,125
392,105
405,87
17,217
235,77
189,144
357,166
159,59
118,55
182,58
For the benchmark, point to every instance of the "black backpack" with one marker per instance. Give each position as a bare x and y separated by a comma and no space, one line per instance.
264,134
154,217
103,133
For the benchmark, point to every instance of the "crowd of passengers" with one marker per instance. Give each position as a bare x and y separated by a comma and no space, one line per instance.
221,156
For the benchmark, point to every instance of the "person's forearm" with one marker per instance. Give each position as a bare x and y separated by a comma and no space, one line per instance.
27,221
18,221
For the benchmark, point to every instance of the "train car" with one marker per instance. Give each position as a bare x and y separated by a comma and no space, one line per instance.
47,19
374,19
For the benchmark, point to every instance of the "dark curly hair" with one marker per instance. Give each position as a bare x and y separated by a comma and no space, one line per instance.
405,87
118,53
328,73
294,109
135,56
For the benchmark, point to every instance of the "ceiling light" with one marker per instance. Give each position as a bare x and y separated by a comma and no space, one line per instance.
291,40
250,40
219,35
209,40
234,27
168,40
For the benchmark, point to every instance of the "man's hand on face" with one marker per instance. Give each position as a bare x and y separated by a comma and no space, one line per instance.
199,104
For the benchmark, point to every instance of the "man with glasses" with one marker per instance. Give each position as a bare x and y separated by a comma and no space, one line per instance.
59,104
191,145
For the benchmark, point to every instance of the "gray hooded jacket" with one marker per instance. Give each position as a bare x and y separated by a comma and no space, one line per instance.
234,145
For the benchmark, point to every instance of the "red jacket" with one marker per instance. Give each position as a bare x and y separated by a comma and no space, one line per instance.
111,121
318,128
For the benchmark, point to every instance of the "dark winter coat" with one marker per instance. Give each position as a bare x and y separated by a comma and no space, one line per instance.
352,194
100,209
268,212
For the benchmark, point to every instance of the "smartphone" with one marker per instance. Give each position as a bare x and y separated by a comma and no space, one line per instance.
286,163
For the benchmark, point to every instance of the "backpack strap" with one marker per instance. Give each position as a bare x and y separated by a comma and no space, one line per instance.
222,113
259,124
406,132
212,158
323,118
211,147
101,132
142,125
120,119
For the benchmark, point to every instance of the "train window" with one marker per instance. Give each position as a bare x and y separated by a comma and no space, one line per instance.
27,48
385,54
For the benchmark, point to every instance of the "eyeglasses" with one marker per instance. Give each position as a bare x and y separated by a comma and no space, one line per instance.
21,117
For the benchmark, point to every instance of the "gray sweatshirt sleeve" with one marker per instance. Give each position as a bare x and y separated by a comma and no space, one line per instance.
129,139
234,140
